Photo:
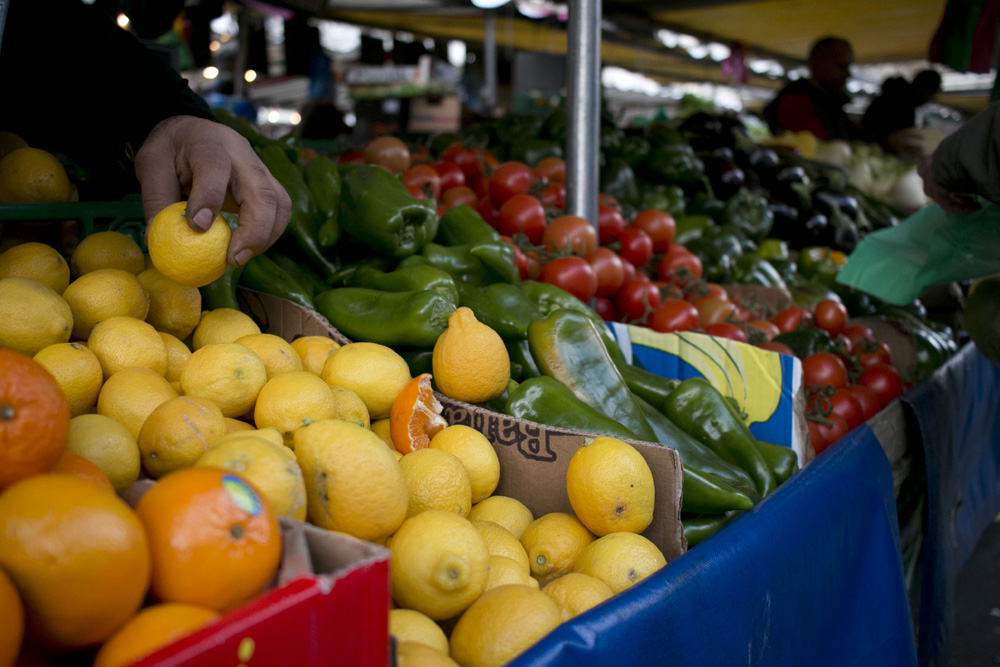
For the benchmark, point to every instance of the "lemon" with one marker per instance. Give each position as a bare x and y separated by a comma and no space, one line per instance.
228,374
501,625
77,371
436,480
353,482
348,406
576,592
417,654
470,361
107,444
501,542
30,176
270,434
505,571
37,261
508,512
98,295
238,426
610,486
475,451
620,559
10,142
314,351
374,372
270,467
222,325
380,427
287,400
173,308
177,355
553,542
107,250
440,564
189,257
409,625
131,394
277,354
124,342
178,432
34,316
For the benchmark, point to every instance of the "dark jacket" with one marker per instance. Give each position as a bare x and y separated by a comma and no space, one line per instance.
75,83
968,160
894,109
803,106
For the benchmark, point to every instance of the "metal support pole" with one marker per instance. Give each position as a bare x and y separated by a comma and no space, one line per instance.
243,52
583,108
489,92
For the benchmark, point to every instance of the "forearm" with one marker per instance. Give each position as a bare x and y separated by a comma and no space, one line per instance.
968,160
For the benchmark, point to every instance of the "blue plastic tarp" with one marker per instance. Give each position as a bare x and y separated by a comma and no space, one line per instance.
811,576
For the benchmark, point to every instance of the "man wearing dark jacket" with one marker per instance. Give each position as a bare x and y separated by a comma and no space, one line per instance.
816,104
966,163
891,116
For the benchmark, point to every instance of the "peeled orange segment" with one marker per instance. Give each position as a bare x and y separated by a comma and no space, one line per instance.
416,415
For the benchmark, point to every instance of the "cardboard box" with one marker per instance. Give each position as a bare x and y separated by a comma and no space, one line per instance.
329,605
533,458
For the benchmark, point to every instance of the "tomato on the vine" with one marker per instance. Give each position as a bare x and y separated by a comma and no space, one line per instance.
460,195
630,273
450,173
831,316
790,318
388,152
635,299
573,274
822,368
874,353
610,224
605,308
551,169
858,334
884,380
727,330
766,327
471,161
846,404
674,315
554,196
509,179
659,225
569,233
520,259
773,346
867,399
822,435
523,214
637,247
713,311
609,269
423,181
679,266
484,207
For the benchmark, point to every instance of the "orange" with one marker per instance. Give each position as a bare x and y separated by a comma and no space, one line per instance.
214,541
74,464
34,418
12,628
415,417
151,629
77,554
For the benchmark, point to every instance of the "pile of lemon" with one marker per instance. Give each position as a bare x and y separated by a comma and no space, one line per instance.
155,384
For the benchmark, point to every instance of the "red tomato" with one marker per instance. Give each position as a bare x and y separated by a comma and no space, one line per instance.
641,276
766,327
780,348
608,200
884,381
460,195
352,157
470,160
484,206
637,247
551,169
708,291
831,316
822,435
573,274
569,233
610,224
534,266
605,308
388,152
636,299
509,179
554,196
858,334
423,181
519,258
451,175
822,368
846,404
790,318
867,399
873,354
630,273
609,269
674,315
660,226
679,266
522,214
727,330
713,311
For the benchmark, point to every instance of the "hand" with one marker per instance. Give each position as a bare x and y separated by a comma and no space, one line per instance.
949,201
218,170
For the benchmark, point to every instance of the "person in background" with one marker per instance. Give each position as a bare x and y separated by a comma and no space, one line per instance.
891,118
816,104
966,163
75,83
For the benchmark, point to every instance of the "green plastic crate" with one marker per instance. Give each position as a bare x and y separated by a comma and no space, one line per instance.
125,216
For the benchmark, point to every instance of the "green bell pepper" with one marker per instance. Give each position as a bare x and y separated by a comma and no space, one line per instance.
378,210
618,180
662,197
544,400
322,177
411,278
675,164
303,275
221,292
697,529
419,359
519,352
700,410
645,385
772,249
750,213
690,227
755,270
567,347
806,341
820,264
531,151
414,319
550,298
784,461
460,225
490,312
263,274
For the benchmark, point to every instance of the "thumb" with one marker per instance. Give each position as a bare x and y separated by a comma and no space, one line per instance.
159,185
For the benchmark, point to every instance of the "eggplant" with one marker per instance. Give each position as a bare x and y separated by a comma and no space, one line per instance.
723,175
826,201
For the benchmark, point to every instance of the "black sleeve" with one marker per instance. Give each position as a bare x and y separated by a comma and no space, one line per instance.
968,160
77,84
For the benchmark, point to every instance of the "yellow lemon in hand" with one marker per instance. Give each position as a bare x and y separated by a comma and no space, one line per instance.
189,257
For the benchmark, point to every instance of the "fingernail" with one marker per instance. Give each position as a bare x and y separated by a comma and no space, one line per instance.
243,256
203,218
